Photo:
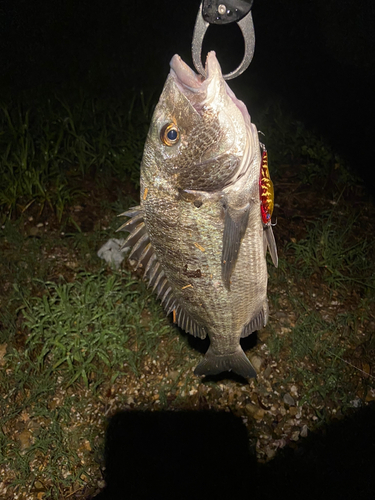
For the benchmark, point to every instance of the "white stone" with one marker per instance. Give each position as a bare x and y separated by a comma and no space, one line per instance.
112,252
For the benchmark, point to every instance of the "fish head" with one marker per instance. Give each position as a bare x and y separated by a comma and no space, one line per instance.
199,135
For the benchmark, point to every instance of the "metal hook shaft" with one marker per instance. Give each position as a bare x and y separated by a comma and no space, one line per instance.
247,27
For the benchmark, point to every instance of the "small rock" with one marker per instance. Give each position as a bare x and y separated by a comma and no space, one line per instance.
284,330
270,452
87,445
295,436
250,408
280,443
294,390
304,431
33,231
366,368
279,315
259,415
72,264
255,411
288,400
3,350
264,335
267,372
293,410
257,362
356,403
174,374
112,252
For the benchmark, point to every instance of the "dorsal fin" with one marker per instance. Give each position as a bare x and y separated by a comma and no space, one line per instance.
143,255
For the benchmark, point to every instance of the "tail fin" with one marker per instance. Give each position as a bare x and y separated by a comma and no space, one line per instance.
212,364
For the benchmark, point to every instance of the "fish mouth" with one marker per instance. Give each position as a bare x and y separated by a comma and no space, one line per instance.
188,80
184,76
198,90
202,91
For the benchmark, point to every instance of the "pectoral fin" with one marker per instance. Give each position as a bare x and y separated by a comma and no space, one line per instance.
235,226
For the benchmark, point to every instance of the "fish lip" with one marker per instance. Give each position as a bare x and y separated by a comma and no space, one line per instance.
188,79
184,76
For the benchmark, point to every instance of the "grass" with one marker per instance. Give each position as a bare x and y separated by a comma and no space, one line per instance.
335,246
74,325
83,329
324,270
47,150
73,331
81,334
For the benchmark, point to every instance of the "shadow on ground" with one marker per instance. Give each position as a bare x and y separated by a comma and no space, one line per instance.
196,455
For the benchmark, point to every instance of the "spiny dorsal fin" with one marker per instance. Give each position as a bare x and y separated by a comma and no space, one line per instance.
143,254
132,212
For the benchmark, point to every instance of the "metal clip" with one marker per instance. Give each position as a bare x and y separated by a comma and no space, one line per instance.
201,25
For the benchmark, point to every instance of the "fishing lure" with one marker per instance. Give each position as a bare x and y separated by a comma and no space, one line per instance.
265,189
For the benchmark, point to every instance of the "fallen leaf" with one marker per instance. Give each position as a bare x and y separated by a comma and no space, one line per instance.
25,417
3,351
25,439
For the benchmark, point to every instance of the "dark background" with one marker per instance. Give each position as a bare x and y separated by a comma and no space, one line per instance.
318,56
190,455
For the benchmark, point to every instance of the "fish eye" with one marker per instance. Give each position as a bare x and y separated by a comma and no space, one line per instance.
170,135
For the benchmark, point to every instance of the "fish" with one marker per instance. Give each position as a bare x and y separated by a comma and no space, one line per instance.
203,226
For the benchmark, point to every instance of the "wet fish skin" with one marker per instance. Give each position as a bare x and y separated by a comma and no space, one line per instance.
198,231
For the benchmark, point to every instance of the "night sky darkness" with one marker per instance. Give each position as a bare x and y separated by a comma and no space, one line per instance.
319,56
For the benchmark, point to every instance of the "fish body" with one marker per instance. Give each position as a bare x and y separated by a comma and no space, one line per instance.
198,232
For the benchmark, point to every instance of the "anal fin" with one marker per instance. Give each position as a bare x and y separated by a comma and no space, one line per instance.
257,322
